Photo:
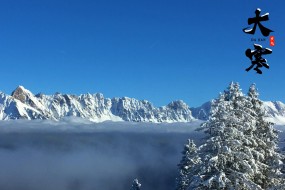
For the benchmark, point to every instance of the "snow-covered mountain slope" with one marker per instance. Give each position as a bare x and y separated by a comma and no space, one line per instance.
275,111
202,112
22,104
130,109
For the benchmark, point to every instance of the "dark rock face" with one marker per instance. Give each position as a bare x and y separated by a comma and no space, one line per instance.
19,94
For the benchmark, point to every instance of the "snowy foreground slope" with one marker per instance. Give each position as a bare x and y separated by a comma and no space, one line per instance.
22,104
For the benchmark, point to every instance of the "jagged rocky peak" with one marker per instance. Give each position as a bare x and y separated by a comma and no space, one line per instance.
22,94
178,104
39,95
202,112
99,96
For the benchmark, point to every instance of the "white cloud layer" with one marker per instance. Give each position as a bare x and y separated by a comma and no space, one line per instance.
75,154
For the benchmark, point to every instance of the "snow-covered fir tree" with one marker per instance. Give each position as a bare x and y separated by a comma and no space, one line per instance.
136,185
267,139
239,147
228,160
188,164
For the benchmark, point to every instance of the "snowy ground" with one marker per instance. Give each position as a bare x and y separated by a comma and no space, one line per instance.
79,155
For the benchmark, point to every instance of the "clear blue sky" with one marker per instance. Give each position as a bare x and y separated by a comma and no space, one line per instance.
158,50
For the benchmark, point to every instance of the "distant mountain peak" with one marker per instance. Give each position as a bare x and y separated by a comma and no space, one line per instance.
18,90
22,94
178,104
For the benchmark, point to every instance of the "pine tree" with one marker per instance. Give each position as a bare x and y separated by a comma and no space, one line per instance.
267,139
187,165
228,160
240,151
136,185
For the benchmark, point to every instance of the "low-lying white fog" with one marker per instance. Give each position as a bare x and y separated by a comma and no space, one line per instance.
79,155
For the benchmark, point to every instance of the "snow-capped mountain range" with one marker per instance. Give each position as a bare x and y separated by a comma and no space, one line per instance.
23,104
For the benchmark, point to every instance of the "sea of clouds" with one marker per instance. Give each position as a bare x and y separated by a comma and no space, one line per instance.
75,154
